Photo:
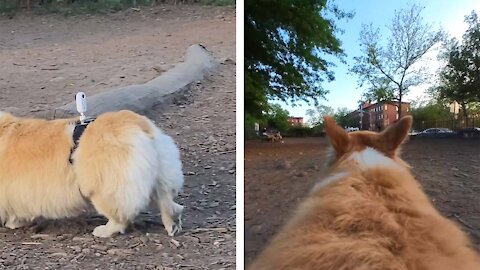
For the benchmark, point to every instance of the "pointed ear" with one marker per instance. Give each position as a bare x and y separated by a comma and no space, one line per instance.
337,135
395,134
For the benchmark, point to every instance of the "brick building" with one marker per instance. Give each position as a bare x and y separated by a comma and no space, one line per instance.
379,115
295,121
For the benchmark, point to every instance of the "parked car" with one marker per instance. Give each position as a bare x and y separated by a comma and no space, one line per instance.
351,129
413,132
436,133
471,132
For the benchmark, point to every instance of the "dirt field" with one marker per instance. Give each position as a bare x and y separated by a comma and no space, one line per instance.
278,176
45,60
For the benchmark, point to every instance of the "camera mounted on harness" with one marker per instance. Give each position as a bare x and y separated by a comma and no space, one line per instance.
82,123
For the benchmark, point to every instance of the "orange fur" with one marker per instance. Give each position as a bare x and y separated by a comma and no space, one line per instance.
121,162
371,218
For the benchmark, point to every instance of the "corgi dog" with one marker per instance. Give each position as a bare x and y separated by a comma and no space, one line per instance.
368,213
121,163
274,137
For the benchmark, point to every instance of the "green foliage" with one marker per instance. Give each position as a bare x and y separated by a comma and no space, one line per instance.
285,46
460,78
277,117
474,109
431,111
381,89
249,128
73,7
341,118
389,68
256,102
8,7
218,2
297,131
273,117
316,114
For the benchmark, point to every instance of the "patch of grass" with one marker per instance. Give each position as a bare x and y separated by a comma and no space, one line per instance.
74,7
70,7
218,2
88,6
8,7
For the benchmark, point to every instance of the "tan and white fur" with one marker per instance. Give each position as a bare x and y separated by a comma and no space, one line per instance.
122,162
368,213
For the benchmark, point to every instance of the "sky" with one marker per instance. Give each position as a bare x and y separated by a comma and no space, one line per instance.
344,91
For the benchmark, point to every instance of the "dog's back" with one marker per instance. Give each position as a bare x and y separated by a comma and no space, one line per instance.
33,155
122,160
369,213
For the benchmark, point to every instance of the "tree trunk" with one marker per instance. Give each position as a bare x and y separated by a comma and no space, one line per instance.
142,97
465,113
400,103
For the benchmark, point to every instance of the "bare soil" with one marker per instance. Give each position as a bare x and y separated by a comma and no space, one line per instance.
278,176
47,59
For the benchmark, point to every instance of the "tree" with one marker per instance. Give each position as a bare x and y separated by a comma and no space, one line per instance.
380,90
340,116
432,110
316,115
460,78
286,42
396,62
277,117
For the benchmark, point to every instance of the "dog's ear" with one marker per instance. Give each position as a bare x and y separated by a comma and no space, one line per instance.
337,135
395,134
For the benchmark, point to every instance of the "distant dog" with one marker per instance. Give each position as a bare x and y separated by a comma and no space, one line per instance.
121,162
275,137
368,213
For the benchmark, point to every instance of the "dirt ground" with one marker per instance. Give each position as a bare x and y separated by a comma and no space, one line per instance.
46,59
278,176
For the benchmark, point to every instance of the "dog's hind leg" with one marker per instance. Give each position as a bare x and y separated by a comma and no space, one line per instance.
170,211
115,224
169,181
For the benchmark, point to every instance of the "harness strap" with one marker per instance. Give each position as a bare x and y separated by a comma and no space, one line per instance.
77,133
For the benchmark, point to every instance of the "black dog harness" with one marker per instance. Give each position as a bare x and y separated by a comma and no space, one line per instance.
77,133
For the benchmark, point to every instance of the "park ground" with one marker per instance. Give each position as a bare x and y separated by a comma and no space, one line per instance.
278,176
46,59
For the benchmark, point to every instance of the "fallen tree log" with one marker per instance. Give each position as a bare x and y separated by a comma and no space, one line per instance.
142,97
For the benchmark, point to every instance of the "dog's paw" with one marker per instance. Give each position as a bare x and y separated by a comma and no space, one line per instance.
102,231
14,223
177,227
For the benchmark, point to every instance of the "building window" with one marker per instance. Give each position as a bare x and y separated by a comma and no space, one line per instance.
396,116
396,107
386,107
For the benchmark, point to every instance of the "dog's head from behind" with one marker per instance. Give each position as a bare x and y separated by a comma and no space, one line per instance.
370,144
